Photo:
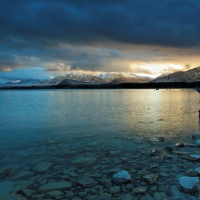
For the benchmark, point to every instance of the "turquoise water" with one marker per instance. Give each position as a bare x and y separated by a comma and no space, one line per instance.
43,125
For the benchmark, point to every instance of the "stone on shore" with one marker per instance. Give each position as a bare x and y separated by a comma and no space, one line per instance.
121,177
42,167
151,178
55,186
188,184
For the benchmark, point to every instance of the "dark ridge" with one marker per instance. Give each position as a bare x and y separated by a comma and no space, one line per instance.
113,86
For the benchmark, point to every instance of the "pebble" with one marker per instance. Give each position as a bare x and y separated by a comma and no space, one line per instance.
121,177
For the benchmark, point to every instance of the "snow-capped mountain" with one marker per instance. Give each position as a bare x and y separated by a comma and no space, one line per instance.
97,78
191,75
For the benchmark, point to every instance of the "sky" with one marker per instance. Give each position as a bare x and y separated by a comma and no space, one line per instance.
45,38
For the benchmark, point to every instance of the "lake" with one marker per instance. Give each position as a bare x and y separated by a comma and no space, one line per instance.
83,137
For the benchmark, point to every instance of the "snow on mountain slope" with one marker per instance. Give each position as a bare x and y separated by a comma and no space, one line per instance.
191,75
98,78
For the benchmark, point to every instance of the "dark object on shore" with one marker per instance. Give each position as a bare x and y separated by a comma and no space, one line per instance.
169,149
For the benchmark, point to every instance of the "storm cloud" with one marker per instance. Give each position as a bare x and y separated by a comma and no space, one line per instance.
103,35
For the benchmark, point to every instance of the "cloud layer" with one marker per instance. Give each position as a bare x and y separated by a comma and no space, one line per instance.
102,35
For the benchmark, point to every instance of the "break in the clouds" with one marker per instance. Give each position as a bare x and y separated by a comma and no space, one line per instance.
102,35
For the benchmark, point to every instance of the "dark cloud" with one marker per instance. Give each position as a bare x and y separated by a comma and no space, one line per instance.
36,32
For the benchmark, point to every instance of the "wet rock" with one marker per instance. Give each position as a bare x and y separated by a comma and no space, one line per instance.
106,182
4,172
42,167
23,175
82,194
193,158
178,144
87,182
197,142
192,173
121,177
84,162
164,174
114,190
151,178
188,184
28,192
169,149
152,152
161,139
53,194
55,186
139,190
9,197
20,185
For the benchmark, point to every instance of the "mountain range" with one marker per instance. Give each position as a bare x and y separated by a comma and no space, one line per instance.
191,75
72,78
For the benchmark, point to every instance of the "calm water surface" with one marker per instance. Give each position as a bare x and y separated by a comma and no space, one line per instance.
43,125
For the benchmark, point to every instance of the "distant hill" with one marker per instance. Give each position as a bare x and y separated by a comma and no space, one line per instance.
191,75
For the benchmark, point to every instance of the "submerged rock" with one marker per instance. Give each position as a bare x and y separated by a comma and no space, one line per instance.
55,186
23,176
169,149
4,172
82,161
87,182
54,194
195,135
139,190
197,142
161,139
42,167
193,158
114,190
28,192
121,177
151,178
152,152
188,184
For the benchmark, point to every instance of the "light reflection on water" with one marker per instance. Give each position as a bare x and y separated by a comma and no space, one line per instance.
39,114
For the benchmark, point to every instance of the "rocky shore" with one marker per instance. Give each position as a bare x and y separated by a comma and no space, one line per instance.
58,170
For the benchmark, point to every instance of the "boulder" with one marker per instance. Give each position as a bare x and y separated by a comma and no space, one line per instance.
188,184
178,144
121,177
114,190
139,190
